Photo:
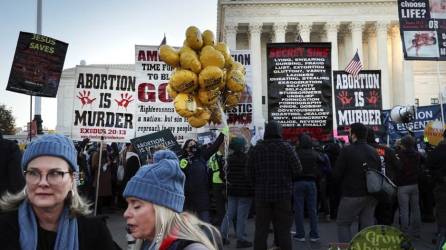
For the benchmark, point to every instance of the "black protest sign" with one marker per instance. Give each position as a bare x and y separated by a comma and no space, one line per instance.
299,88
358,99
423,29
37,65
147,144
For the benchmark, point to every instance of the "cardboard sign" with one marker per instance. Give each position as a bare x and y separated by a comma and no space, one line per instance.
146,145
37,65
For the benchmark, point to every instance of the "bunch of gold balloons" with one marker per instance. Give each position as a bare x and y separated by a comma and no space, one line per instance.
205,76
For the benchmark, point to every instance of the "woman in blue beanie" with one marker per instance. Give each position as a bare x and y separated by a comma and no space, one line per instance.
155,197
49,213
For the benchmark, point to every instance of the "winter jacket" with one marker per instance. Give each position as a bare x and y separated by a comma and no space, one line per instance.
309,159
272,165
238,183
349,170
11,174
93,233
436,163
389,162
197,185
132,166
411,167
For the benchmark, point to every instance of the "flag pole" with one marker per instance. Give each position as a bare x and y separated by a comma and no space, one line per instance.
440,94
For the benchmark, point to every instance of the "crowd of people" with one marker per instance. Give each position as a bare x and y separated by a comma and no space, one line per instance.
194,200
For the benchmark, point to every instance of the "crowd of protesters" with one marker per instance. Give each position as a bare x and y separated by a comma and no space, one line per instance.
278,182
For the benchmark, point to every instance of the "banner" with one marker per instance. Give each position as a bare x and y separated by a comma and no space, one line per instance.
147,144
37,65
423,29
299,88
358,99
241,115
104,105
155,110
423,115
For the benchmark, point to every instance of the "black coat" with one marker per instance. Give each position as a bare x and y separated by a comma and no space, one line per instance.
11,174
238,183
93,233
349,170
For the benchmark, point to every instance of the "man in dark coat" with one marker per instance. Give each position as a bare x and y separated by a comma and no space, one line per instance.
436,163
11,175
272,165
350,173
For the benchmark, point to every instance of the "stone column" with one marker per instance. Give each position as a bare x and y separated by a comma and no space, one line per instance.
279,32
255,31
373,50
357,28
231,35
332,36
409,88
381,28
304,31
397,67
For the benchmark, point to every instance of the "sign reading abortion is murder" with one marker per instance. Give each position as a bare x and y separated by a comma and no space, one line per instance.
104,105
358,99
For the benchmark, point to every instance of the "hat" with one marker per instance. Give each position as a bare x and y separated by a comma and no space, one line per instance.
161,183
51,145
237,144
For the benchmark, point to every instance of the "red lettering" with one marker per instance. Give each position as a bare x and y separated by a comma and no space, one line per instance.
286,52
162,93
146,92
152,55
141,55
317,52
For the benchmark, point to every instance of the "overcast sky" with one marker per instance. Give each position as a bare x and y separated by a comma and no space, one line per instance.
100,32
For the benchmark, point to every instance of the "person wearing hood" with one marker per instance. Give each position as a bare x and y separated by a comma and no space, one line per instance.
305,191
11,175
193,162
272,165
155,217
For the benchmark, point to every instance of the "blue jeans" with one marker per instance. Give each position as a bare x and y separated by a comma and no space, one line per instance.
305,191
237,206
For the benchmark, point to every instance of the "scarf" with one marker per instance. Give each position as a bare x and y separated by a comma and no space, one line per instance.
67,233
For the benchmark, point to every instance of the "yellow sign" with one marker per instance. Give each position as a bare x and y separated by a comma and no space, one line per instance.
433,132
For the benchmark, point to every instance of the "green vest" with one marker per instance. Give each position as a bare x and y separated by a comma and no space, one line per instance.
213,164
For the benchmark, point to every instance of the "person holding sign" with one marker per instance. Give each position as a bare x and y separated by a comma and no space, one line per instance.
197,188
49,213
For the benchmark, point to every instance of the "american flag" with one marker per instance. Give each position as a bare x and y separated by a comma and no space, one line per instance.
299,39
164,41
355,65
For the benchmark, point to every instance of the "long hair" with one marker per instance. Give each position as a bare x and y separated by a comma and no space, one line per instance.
182,226
76,203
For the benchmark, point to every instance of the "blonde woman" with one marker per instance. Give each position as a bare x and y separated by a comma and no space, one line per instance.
49,213
155,217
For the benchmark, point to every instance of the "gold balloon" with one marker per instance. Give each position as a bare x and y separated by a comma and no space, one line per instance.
211,57
185,104
194,38
208,97
224,50
172,93
235,81
211,78
208,38
169,55
232,99
183,80
200,119
189,60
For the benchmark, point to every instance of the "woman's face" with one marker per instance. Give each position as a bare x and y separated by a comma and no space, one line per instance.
140,217
48,181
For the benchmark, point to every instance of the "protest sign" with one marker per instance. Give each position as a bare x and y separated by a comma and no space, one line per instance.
380,237
103,105
147,144
155,110
299,88
37,65
358,99
423,29
241,115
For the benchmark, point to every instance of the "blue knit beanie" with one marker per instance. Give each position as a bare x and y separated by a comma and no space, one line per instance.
51,145
161,183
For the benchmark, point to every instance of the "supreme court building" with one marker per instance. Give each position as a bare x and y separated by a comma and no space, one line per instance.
369,26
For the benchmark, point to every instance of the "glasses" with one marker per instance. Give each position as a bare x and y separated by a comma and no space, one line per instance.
53,177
